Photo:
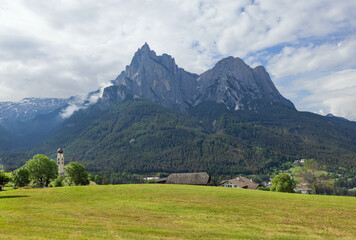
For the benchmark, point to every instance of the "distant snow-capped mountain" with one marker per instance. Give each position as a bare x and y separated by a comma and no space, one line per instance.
29,108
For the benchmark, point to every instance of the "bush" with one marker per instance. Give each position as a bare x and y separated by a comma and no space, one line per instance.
283,183
98,179
58,182
21,177
4,179
263,188
77,173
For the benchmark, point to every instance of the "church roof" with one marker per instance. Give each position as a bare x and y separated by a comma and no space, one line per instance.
60,150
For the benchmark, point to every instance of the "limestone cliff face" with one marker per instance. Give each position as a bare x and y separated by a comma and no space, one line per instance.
233,83
158,78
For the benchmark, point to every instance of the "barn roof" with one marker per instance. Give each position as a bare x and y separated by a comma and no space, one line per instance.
201,178
161,180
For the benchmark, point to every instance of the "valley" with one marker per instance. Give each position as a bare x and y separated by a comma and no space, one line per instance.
157,118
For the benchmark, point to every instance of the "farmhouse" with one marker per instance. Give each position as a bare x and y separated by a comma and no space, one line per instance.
201,178
240,182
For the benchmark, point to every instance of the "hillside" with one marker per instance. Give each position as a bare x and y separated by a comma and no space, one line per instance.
276,128
8,140
174,212
142,137
159,118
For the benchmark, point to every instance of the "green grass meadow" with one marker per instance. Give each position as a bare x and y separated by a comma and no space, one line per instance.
152,211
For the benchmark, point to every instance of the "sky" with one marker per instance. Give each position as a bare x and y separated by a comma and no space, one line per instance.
63,48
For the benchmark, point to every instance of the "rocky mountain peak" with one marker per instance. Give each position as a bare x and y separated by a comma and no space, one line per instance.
143,53
157,78
145,47
231,62
231,82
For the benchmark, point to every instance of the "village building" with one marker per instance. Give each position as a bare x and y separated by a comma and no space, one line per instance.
300,161
150,178
303,190
201,178
60,161
239,182
267,183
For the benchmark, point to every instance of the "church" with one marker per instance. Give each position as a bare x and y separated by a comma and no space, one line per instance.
60,161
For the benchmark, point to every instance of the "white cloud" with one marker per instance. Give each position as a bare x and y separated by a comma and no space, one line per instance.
333,93
81,103
66,113
95,97
324,57
59,48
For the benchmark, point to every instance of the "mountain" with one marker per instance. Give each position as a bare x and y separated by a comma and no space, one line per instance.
141,136
158,78
29,108
237,86
31,119
228,120
8,140
333,116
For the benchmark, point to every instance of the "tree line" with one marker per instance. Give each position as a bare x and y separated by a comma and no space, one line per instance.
41,171
316,178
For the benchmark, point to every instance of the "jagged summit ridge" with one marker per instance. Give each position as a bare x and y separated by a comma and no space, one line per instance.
231,82
157,78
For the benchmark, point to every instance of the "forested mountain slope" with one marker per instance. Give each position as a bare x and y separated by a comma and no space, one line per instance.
157,117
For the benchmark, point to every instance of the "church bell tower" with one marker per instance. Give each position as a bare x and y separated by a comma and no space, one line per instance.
60,162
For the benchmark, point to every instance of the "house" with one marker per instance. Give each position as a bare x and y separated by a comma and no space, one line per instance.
239,182
303,190
150,178
201,178
267,184
300,161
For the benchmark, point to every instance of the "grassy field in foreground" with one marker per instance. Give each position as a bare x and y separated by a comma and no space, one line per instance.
150,211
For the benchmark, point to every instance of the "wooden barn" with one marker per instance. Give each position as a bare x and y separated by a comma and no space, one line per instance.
201,178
